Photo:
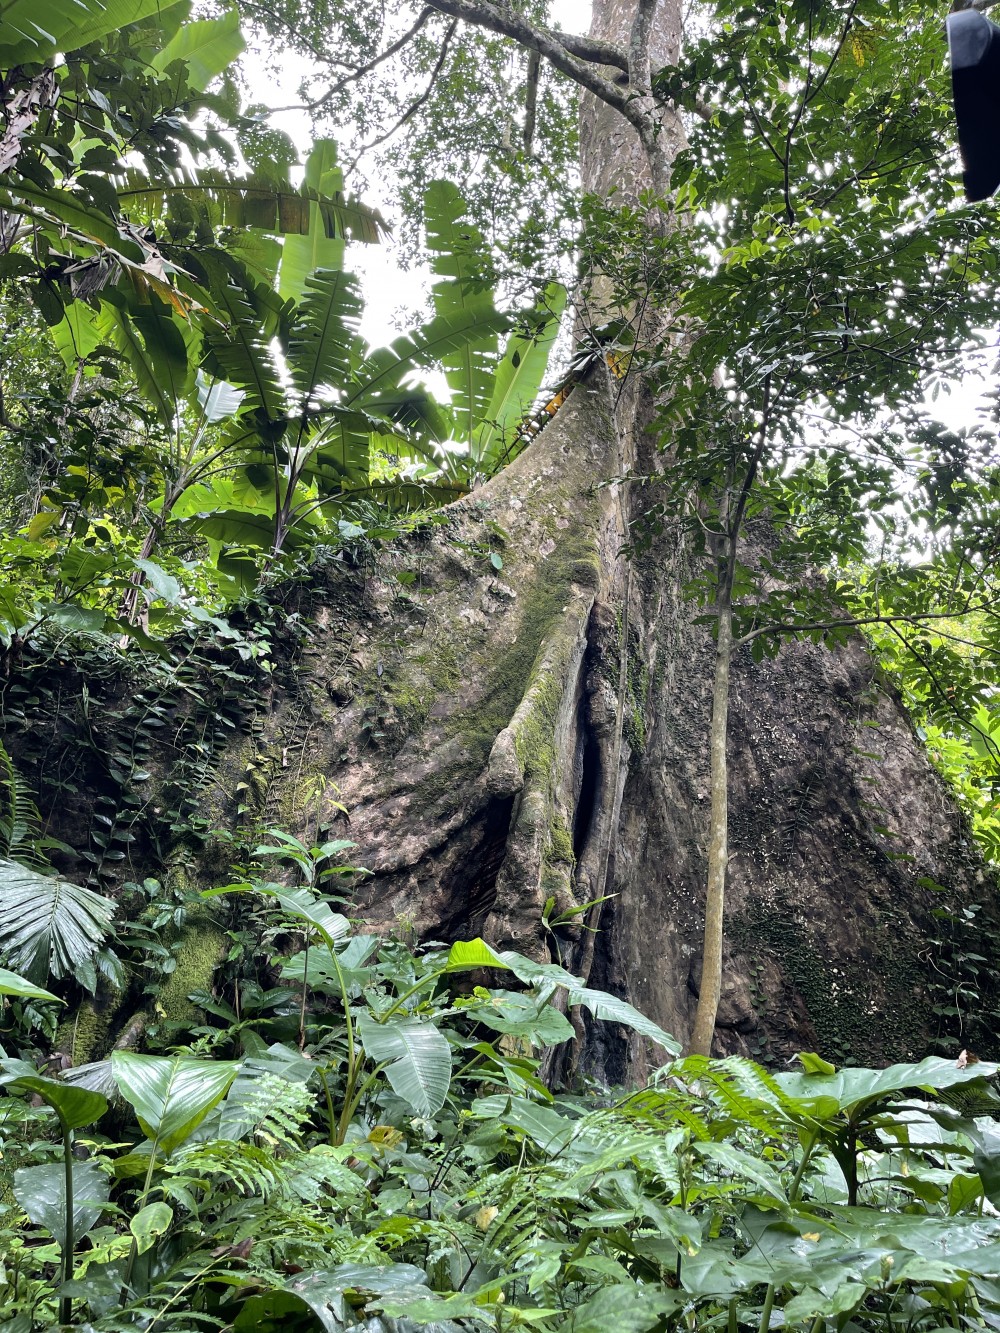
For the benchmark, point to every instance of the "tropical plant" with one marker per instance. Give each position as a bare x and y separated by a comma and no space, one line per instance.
51,927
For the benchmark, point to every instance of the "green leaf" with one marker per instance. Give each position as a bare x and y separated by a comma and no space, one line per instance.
302,256
517,381
48,924
325,333
850,1088
12,984
171,1095
34,30
41,1192
420,1059
207,46
149,1224
163,584
470,954
75,1106
298,903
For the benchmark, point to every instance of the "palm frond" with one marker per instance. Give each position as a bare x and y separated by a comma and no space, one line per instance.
49,926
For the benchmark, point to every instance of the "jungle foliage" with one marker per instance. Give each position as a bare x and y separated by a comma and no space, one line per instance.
346,1131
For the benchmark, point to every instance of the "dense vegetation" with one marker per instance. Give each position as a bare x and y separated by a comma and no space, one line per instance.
303,1125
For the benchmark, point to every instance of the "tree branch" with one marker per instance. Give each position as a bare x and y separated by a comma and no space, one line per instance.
415,105
507,23
362,70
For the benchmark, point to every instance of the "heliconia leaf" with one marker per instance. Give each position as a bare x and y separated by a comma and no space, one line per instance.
171,1095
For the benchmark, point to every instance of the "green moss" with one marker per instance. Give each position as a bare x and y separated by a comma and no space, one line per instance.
199,951
575,561
84,1037
560,843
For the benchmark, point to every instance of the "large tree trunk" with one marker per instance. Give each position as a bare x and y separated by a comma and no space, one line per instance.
476,731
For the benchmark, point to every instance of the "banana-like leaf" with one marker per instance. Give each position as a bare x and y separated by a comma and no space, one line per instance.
21,989
171,1095
240,353
516,383
48,925
325,332
420,1059
57,207
469,369
385,368
301,256
159,348
252,202
34,30
207,46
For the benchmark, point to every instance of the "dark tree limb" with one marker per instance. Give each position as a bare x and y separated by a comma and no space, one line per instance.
362,70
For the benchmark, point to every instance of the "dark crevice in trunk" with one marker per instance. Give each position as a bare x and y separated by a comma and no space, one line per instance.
590,785
605,1055
472,883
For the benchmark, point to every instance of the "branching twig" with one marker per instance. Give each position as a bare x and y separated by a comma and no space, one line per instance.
414,106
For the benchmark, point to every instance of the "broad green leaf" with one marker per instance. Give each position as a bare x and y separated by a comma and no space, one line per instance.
33,31
75,1106
852,1087
547,1127
466,954
419,1058
603,1006
301,256
171,1095
325,333
41,1192
12,984
149,1224
517,381
163,584
208,47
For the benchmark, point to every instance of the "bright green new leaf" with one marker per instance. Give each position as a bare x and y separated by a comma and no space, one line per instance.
149,1224
12,984
75,1106
207,46
467,954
